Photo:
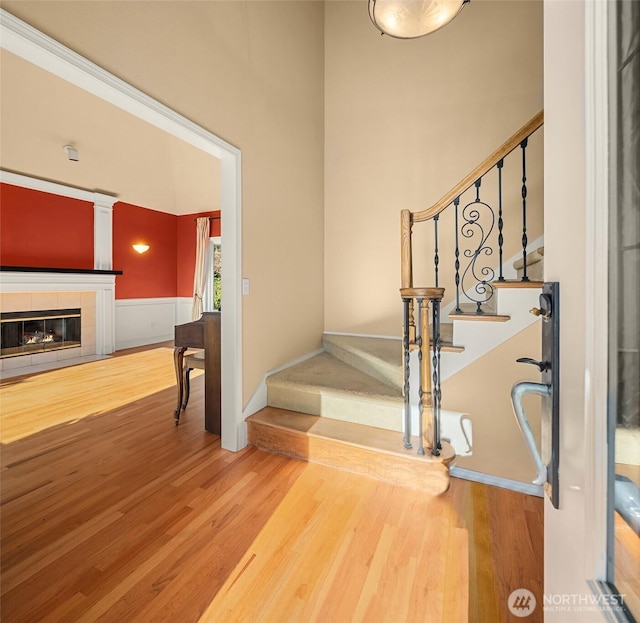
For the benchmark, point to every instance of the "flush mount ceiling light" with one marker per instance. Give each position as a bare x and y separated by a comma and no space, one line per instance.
408,19
141,248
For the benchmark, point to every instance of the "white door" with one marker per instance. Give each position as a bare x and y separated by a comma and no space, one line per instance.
578,566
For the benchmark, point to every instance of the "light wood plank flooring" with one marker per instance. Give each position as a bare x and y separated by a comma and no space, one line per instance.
120,516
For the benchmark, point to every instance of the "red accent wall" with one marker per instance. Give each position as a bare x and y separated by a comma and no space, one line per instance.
151,274
186,260
44,230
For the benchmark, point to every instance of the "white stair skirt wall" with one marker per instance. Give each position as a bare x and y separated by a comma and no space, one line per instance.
144,321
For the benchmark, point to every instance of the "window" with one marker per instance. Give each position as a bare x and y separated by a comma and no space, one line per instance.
212,299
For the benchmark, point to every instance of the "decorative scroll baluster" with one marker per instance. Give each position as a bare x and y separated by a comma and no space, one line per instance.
407,390
421,389
523,145
500,221
436,392
456,203
476,279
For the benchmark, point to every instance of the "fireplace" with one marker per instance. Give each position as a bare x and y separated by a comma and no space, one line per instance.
31,332
24,290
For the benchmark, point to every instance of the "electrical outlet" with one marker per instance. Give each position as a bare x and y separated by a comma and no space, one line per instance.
245,286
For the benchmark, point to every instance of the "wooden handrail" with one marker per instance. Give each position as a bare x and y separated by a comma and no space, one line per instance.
486,165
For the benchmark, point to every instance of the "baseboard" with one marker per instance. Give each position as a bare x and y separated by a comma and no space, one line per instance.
295,362
158,339
495,481
380,337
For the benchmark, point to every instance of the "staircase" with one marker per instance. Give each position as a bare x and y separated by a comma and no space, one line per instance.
356,405
344,407
355,385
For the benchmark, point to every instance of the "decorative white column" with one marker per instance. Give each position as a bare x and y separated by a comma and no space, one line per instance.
103,231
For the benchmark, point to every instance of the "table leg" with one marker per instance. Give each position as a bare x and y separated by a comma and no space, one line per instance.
178,361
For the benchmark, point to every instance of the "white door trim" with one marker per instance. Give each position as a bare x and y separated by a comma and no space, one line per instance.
597,91
34,46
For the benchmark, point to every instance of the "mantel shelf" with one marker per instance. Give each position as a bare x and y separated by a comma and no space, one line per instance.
40,269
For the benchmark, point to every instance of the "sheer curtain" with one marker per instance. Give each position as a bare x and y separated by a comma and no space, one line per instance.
200,274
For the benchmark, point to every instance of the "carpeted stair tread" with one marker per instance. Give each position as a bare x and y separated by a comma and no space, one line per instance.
324,372
386,349
377,357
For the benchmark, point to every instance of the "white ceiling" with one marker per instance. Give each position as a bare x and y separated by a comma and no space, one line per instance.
120,155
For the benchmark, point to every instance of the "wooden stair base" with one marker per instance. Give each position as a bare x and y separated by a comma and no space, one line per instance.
356,448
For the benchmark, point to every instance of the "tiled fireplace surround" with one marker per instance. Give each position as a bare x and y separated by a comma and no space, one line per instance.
92,293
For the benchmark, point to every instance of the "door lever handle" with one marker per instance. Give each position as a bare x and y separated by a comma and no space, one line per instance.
517,393
542,365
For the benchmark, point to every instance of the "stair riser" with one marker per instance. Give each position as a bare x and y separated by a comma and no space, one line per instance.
356,409
406,472
378,369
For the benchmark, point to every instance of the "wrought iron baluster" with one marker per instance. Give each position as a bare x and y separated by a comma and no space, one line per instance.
478,223
436,392
419,338
500,220
436,257
456,203
523,145
407,390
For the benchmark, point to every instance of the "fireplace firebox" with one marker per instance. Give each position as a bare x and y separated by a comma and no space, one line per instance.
31,332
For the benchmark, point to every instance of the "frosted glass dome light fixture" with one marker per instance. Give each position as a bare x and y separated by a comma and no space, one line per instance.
409,19
140,248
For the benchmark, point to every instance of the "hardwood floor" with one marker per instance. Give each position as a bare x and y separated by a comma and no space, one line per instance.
118,515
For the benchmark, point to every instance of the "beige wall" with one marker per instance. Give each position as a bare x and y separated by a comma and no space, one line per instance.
252,73
404,121
498,444
401,121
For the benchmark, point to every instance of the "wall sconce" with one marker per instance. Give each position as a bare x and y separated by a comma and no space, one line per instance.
408,19
141,248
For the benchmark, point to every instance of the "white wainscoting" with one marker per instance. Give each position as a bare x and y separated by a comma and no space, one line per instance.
145,321
183,309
